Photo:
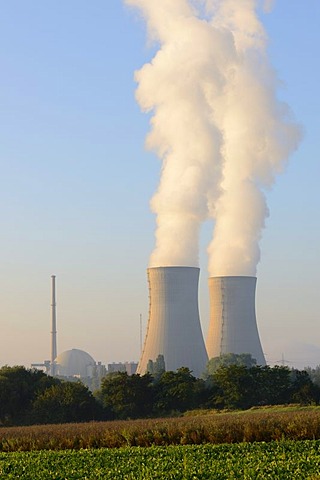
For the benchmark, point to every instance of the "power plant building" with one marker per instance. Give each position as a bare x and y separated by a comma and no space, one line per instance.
74,363
233,326
174,329
128,367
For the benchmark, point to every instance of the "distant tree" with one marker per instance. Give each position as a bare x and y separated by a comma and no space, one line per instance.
178,391
272,385
18,389
304,391
276,383
64,403
126,396
279,385
234,387
314,374
227,359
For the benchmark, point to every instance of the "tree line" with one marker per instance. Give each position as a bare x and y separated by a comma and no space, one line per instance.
31,397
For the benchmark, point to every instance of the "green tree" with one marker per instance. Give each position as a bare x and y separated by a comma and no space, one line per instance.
65,402
304,391
227,359
272,385
237,386
234,387
126,396
314,374
18,389
277,384
178,391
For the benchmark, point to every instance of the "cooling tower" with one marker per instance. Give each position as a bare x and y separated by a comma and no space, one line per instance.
233,326
174,329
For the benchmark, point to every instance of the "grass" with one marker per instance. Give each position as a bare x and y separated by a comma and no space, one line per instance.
256,425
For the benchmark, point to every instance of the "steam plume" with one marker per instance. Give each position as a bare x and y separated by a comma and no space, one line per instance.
216,124
258,138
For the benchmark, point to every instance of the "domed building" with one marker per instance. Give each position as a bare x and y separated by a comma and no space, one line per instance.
74,363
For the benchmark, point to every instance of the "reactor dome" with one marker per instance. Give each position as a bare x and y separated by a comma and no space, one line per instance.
74,363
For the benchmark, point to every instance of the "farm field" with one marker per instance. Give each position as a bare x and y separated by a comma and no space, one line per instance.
257,425
284,460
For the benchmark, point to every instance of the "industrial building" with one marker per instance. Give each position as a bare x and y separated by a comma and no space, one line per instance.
75,363
129,367
174,329
233,326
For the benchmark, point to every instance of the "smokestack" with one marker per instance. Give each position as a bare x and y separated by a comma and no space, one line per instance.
233,326
53,326
174,329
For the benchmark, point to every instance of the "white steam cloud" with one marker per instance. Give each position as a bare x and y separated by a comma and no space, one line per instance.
216,124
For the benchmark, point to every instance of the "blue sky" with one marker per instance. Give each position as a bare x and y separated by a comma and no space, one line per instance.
76,183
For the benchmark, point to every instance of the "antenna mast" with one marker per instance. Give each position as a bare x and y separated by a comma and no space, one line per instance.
140,333
53,326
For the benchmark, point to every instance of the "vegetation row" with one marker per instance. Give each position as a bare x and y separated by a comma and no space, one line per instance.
276,460
290,423
30,397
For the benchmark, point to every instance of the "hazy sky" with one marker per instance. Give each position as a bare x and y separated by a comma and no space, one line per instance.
76,183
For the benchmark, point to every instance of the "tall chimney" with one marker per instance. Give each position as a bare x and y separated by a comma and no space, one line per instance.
174,329
233,325
53,327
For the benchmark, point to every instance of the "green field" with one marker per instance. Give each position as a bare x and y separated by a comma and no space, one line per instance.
273,443
274,460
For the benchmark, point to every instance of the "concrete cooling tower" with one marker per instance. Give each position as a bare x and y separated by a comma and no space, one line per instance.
233,326
174,329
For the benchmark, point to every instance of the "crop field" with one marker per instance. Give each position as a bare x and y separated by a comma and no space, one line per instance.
274,460
215,428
